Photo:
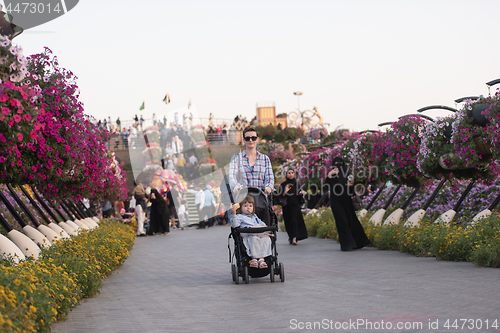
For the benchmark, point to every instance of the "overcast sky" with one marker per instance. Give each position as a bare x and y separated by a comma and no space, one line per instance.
359,62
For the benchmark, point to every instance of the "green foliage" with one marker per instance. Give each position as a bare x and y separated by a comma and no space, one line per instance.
272,133
336,136
479,243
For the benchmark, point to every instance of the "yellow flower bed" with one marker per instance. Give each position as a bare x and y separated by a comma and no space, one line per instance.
34,294
479,244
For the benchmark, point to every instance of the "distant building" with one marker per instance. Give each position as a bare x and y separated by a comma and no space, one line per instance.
266,114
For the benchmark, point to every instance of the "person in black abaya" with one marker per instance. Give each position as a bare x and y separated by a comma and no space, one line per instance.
351,233
294,222
160,213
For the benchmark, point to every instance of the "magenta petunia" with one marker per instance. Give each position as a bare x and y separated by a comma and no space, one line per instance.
15,102
19,136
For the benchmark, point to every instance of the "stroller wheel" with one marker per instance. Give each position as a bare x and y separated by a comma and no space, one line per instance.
271,272
234,271
245,274
282,272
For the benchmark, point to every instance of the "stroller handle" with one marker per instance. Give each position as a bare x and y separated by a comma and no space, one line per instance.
255,230
269,196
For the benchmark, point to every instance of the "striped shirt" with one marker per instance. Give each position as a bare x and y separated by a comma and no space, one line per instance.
260,175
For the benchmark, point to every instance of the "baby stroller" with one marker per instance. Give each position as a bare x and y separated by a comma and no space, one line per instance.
239,259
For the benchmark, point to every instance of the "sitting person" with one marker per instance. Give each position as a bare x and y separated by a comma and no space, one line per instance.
258,246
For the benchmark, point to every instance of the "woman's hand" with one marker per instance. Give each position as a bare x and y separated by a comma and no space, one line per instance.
288,188
303,192
333,172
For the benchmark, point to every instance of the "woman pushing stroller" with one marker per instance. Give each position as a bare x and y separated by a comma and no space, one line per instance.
251,178
258,245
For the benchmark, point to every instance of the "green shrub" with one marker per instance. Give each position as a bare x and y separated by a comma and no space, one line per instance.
478,243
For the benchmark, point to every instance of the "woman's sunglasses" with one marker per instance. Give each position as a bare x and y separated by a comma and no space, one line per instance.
253,138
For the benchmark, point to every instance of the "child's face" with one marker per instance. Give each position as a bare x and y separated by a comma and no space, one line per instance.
247,208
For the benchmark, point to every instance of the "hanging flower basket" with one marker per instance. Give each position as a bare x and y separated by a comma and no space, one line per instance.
438,157
493,128
471,137
482,146
361,159
402,150
444,162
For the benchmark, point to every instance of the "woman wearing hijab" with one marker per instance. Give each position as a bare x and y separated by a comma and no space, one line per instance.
294,222
160,213
351,233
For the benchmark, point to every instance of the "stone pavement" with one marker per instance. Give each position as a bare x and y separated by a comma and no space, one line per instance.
181,282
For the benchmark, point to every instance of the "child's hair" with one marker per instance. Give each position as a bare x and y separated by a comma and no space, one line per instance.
183,202
248,199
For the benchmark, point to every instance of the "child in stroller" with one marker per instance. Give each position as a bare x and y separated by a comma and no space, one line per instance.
258,245
254,232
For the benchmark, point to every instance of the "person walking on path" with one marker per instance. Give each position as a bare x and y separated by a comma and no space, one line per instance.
251,168
160,213
294,221
173,204
351,233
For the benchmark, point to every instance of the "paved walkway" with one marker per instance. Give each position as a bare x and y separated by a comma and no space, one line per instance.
182,283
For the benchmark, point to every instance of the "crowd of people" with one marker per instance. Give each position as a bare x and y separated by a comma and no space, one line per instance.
128,136
159,210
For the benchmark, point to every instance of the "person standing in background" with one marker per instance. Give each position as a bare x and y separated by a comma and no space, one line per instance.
125,135
133,136
208,211
163,137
